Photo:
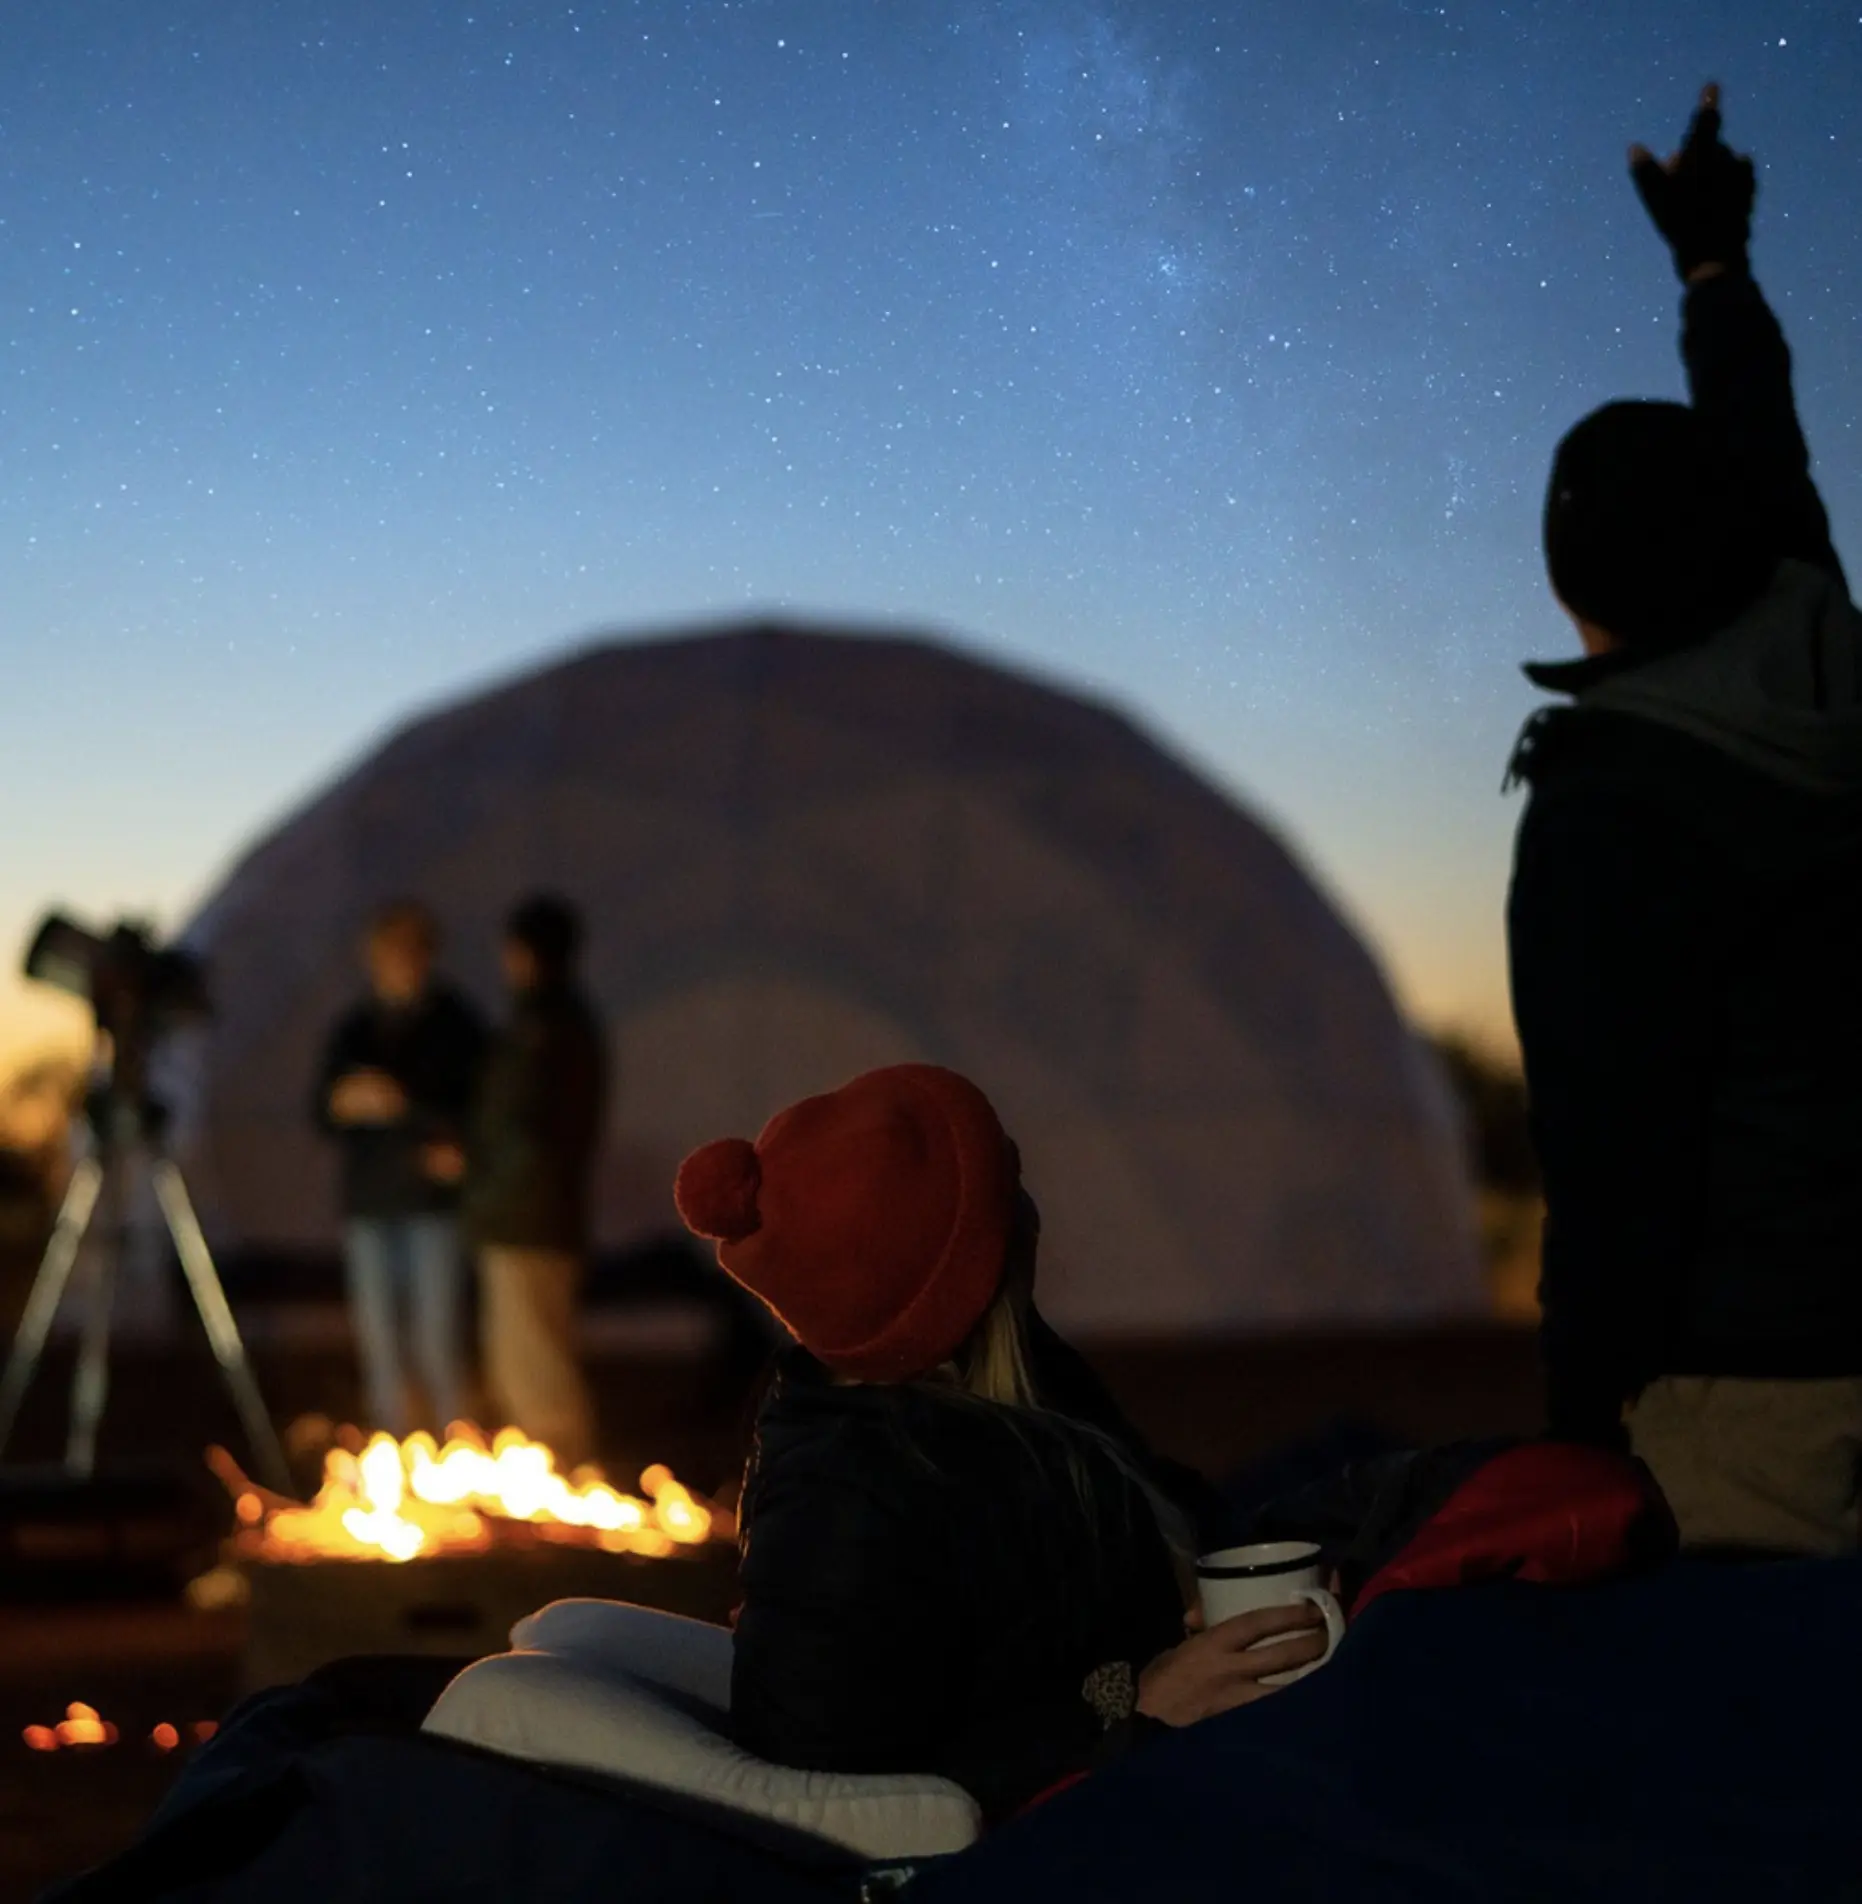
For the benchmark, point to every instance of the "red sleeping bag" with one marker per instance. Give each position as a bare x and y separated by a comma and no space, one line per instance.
1550,1511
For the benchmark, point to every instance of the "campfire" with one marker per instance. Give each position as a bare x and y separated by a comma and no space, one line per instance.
403,1500
82,1729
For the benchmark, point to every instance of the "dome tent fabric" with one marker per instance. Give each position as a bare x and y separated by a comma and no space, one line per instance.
801,854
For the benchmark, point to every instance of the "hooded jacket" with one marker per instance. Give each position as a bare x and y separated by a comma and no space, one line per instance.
1685,934
1778,690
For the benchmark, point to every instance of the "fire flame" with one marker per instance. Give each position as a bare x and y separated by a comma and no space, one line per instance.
79,1726
398,1500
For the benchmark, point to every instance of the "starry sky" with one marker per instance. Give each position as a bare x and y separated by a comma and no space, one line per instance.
1208,356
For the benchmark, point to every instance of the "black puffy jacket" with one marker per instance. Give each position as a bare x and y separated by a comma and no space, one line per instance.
929,1585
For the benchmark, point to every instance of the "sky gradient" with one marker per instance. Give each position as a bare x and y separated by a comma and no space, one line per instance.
1209,357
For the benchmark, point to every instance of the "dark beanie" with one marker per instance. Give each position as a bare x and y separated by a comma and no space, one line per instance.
549,927
1646,533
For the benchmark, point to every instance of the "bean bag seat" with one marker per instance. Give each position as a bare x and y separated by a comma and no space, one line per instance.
631,1693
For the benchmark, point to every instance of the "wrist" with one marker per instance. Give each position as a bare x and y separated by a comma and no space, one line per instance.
1145,1707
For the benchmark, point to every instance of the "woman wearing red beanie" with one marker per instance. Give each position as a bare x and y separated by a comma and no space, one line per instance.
956,1556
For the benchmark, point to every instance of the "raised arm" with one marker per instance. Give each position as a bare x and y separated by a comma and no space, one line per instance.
1739,376
1738,365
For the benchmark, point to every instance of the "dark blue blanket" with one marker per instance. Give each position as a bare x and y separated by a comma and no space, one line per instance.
1696,1735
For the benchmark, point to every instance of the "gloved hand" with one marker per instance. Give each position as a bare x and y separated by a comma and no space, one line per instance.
1700,199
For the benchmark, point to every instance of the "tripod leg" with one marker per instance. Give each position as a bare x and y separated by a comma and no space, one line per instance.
48,1289
91,1389
216,1317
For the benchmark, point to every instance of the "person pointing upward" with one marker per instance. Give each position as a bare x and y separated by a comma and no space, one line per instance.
1685,921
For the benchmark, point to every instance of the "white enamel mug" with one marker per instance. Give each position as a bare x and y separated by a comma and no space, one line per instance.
1270,1573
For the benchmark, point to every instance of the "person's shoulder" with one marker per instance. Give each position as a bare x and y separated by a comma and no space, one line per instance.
1626,754
448,1005
1566,745
353,1021
579,1009
833,1473
883,1439
1596,769
567,1022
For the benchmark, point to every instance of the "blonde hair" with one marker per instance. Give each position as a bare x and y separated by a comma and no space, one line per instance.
991,1369
993,1363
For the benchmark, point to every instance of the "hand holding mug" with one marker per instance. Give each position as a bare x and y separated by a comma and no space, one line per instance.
1232,1663
1277,1574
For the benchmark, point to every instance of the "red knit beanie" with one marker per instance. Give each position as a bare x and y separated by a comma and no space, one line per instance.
874,1221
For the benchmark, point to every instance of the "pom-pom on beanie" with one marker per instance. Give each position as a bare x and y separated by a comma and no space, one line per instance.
873,1221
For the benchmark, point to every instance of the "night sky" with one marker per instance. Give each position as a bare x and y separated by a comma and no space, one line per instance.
1208,356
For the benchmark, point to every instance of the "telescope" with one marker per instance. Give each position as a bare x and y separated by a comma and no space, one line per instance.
119,970
138,992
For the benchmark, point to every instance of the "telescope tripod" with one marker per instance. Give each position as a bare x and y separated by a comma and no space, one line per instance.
105,1169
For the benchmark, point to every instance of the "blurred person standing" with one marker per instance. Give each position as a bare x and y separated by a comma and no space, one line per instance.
531,1155
395,1090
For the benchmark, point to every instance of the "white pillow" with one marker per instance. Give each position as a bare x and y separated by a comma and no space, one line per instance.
690,1657
550,1709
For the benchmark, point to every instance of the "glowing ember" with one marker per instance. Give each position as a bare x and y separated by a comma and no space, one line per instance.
165,1738
80,1726
399,1499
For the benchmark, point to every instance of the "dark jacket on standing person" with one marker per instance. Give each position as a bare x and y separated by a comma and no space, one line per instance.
1685,931
538,1124
432,1049
935,1584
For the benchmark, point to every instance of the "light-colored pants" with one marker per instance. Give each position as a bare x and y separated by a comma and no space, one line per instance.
1745,1463
412,1267
527,1323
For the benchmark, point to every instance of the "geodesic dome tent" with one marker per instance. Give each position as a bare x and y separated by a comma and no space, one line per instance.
801,854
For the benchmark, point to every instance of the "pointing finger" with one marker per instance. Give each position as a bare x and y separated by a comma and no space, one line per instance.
1704,128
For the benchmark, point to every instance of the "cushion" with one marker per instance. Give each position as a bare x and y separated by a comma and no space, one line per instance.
689,1657
573,1704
